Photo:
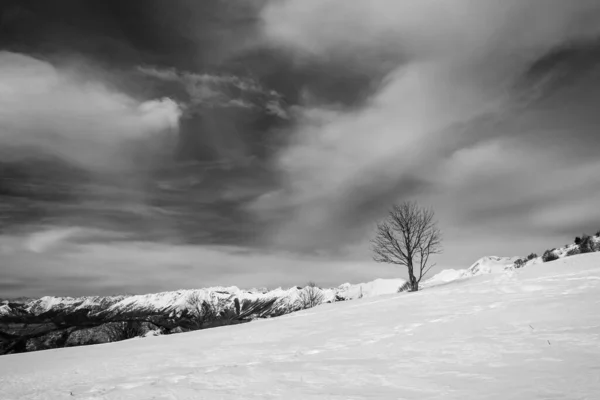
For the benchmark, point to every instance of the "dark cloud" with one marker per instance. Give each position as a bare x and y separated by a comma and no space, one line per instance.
183,33
562,67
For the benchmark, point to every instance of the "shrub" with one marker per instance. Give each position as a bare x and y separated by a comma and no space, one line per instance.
310,296
550,255
405,287
588,245
520,263
577,240
598,233
123,330
573,251
532,256
585,249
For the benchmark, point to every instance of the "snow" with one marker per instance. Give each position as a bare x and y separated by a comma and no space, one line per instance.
562,251
445,276
5,309
175,302
377,287
530,333
492,264
485,265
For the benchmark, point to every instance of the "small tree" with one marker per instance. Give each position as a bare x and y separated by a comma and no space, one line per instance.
408,237
310,296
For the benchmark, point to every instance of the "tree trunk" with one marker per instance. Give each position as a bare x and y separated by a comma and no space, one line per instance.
414,283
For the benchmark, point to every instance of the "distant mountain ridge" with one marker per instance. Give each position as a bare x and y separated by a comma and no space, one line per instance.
51,322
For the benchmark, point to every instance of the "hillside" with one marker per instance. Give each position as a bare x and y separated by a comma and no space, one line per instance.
528,333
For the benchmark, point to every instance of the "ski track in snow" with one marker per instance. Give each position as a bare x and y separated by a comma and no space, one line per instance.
531,334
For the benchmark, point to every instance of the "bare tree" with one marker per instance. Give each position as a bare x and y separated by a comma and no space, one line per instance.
310,296
408,236
123,330
195,303
201,311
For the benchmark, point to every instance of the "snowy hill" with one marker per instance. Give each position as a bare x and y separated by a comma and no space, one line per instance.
51,322
485,265
529,333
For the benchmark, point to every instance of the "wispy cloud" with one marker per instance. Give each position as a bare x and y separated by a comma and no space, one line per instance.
209,90
455,65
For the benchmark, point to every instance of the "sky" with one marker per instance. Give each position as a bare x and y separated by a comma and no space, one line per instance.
150,146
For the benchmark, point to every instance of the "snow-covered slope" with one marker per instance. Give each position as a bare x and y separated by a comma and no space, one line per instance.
562,252
531,333
377,287
495,265
485,265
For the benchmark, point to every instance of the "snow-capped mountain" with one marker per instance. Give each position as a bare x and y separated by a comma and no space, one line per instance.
180,302
51,322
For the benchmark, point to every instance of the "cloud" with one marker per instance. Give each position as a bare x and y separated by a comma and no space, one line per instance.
455,65
519,183
508,196
51,238
209,90
430,29
79,119
43,241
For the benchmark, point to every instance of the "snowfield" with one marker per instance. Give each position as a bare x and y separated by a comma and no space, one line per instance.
532,333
